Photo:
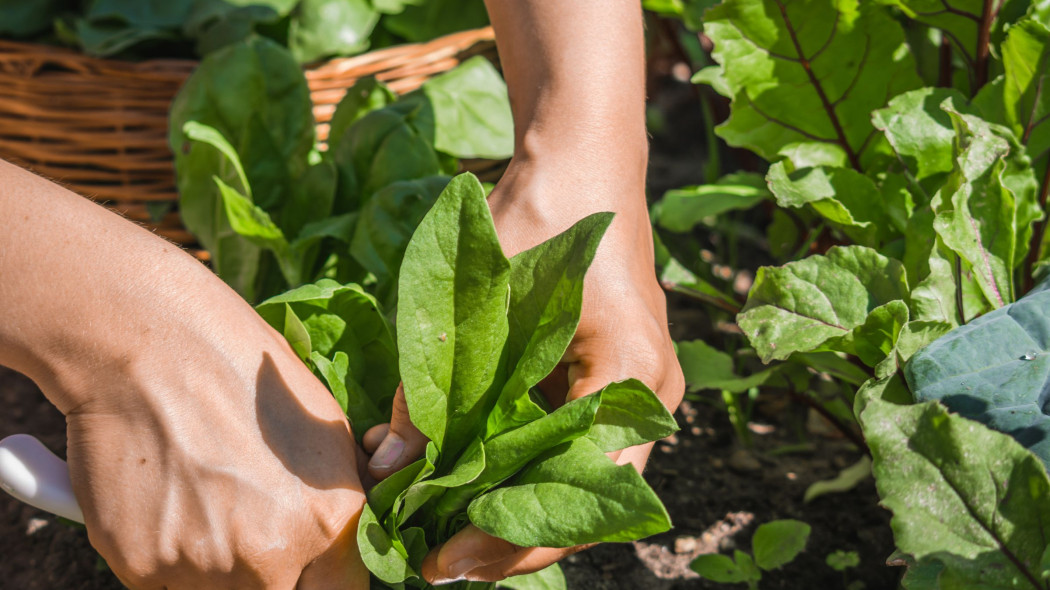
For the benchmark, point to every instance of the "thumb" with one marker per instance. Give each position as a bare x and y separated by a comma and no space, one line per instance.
401,444
467,550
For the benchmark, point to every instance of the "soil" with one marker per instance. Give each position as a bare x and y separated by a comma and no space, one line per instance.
716,492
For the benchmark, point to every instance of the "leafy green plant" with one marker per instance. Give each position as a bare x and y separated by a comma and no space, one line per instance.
275,211
908,151
475,333
774,544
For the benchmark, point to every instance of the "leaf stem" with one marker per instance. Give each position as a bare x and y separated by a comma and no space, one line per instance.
984,32
848,432
959,291
1037,236
828,108
944,67
700,295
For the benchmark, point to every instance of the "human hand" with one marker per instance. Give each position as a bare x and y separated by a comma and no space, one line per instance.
203,453
622,334
212,457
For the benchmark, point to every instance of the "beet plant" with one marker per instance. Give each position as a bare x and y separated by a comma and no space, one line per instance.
908,145
475,334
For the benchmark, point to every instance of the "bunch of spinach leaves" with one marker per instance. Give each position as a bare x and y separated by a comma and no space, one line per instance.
475,334
310,29
928,178
274,211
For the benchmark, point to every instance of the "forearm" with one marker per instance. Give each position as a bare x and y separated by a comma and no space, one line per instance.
575,71
84,291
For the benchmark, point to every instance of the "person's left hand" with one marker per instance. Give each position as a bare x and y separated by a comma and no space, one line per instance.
622,334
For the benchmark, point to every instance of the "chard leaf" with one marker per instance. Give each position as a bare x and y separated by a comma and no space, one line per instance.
919,130
548,578
546,295
802,305
957,19
365,96
843,196
996,370
452,315
470,111
1026,87
707,368
961,494
571,495
629,414
807,72
323,28
984,211
873,340
778,542
679,210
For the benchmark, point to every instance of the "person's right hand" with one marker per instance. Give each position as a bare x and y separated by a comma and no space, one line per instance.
218,464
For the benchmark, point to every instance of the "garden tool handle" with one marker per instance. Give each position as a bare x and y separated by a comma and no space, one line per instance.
36,476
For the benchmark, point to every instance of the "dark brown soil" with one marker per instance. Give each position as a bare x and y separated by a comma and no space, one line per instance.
713,506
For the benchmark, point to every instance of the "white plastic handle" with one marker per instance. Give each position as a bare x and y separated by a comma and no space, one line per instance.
34,475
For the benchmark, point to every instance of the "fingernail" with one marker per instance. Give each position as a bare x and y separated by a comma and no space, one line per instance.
460,568
389,452
443,581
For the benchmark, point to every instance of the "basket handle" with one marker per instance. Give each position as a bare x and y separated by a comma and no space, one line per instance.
36,476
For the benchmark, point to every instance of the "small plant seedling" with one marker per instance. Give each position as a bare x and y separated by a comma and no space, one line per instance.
841,561
774,544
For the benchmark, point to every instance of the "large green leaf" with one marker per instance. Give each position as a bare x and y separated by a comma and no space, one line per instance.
919,130
843,196
470,111
996,369
961,494
802,305
323,28
546,296
256,96
808,73
452,314
1022,96
571,495
959,20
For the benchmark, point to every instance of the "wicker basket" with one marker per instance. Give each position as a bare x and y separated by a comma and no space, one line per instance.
100,127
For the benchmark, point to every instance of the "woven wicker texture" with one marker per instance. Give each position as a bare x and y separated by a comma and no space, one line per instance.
100,127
